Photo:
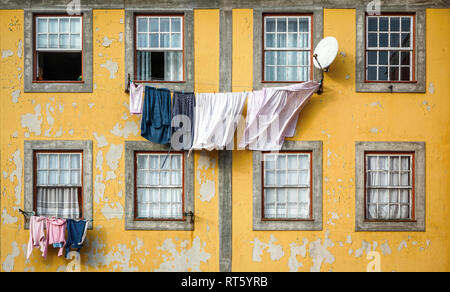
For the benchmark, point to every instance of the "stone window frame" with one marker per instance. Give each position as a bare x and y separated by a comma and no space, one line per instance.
258,16
315,224
418,224
87,54
188,39
130,224
30,146
419,86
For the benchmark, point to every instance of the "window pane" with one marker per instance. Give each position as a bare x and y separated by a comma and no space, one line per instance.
372,57
154,40
304,196
53,25
176,24
404,196
270,24
383,73
176,178
394,178
42,25
53,41
269,196
42,161
154,24
164,40
142,24
281,40
405,163
281,58
292,40
395,40
383,211
394,73
303,41
270,58
304,177
270,40
75,25
372,24
406,24
270,73
406,42
394,57
405,58
142,40
64,177
405,74
165,25
395,24
384,24
281,73
292,162
75,177
281,25
64,161
373,40
292,74
42,177
372,196
53,177
75,41
404,212
42,41
281,178
292,25
292,177
383,40
75,161
383,58
372,73
64,25
304,58
53,161
64,41
304,25
372,162
176,40
405,179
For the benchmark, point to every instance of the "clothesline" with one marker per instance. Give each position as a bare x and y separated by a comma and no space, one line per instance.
32,213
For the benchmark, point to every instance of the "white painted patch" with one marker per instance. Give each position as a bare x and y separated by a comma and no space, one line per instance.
15,134
59,132
402,245
33,121
18,174
8,219
71,131
207,191
116,211
431,88
19,49
49,110
15,96
185,259
130,128
101,140
376,103
8,264
112,67
296,250
349,239
120,259
124,116
120,36
7,53
374,130
275,250
106,42
113,156
320,254
91,105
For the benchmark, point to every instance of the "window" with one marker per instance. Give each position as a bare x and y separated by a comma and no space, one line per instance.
58,40
57,50
58,178
59,188
159,187
287,187
159,48
390,186
390,48
287,48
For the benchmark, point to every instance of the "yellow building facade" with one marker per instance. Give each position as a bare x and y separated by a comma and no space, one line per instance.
223,58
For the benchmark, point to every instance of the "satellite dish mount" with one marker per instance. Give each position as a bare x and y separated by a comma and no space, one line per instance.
324,54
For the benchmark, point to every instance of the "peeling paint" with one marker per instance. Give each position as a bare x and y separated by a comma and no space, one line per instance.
365,247
431,88
402,245
113,156
8,219
19,49
275,250
18,174
374,130
184,260
112,67
106,42
130,128
207,190
8,264
320,254
101,140
33,121
113,212
7,53
15,96
293,264
115,259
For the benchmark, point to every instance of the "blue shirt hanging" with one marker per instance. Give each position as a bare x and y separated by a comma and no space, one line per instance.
76,232
156,116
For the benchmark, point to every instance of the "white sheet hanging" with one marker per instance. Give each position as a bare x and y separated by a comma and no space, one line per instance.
216,118
272,115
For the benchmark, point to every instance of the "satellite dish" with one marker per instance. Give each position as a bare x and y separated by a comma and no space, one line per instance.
325,53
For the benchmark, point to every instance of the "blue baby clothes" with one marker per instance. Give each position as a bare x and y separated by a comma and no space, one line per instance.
156,116
76,232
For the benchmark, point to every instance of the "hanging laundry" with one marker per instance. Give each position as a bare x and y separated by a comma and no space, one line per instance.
183,105
56,231
272,115
37,236
76,233
156,116
216,118
136,96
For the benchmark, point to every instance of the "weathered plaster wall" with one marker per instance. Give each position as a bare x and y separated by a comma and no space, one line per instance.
339,117
103,117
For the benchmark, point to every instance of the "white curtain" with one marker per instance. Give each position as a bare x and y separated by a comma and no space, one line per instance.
173,66
60,202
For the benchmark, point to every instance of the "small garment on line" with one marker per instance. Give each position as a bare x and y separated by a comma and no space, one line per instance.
216,119
56,232
37,236
76,233
136,96
272,115
156,116
183,105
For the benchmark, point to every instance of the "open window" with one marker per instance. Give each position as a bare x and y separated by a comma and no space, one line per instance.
58,49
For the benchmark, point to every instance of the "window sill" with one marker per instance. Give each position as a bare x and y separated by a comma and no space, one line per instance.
59,81
157,81
287,220
391,82
159,220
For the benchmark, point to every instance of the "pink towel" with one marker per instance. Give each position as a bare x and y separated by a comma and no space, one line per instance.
56,232
37,236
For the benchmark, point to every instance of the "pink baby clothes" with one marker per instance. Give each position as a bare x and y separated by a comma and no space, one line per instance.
136,95
56,232
37,236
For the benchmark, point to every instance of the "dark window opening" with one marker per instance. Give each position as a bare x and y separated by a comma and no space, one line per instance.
59,66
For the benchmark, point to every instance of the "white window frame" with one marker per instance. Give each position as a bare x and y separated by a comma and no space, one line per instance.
159,48
48,49
48,169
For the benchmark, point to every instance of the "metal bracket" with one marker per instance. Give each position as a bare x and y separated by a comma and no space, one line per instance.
127,87
320,90
190,214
